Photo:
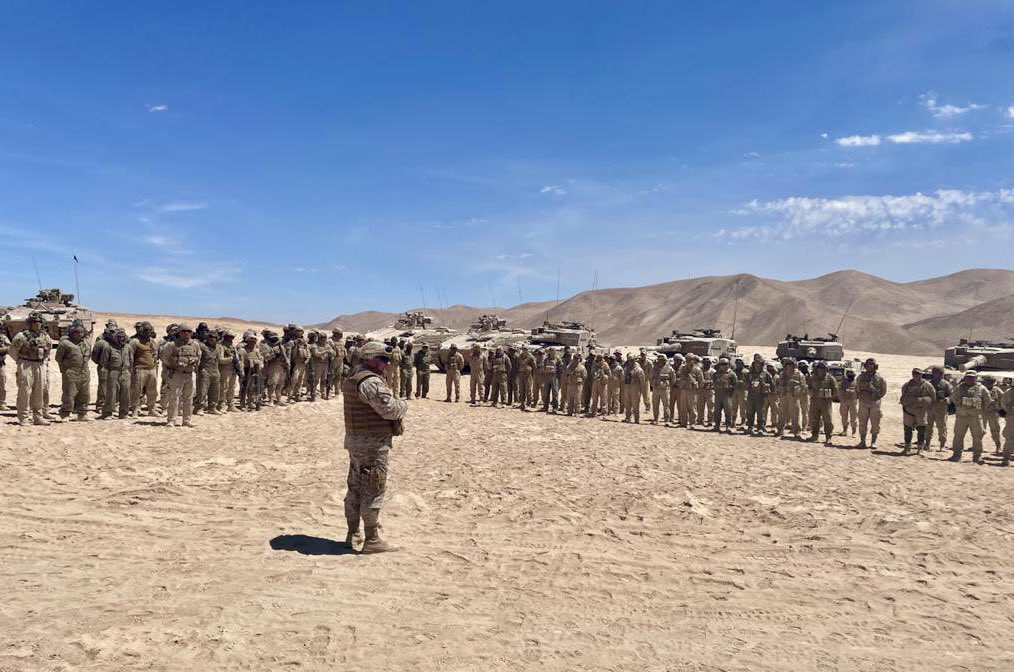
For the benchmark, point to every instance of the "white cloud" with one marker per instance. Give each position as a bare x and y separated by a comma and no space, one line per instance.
552,189
824,135
158,108
751,155
1010,112
859,141
848,216
929,100
523,255
189,276
182,206
931,137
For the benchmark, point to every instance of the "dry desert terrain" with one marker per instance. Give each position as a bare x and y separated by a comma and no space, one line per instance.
527,542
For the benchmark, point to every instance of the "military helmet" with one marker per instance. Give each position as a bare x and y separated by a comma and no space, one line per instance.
916,369
111,324
454,346
630,356
870,360
971,373
183,326
138,325
821,364
172,328
375,349
936,368
337,332
248,334
723,360
212,334
788,361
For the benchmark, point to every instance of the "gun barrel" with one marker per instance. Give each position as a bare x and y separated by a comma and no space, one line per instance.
973,363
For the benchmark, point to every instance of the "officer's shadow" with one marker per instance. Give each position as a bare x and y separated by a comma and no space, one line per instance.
307,545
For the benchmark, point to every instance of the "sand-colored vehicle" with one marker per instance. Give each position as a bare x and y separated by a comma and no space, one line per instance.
562,334
488,332
415,328
57,310
980,355
824,348
701,342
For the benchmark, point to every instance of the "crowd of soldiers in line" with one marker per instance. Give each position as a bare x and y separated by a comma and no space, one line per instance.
207,371
777,397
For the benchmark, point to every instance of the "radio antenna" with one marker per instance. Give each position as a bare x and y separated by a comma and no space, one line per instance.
37,278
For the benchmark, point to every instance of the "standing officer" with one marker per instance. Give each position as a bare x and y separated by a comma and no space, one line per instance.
373,417
72,356
180,360
968,399
662,375
823,390
848,404
724,383
938,409
633,383
143,364
30,349
422,363
991,413
916,396
870,389
452,381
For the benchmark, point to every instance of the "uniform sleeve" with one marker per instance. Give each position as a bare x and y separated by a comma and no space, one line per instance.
378,395
104,357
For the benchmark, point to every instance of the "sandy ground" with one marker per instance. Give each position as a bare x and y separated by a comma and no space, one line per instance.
528,542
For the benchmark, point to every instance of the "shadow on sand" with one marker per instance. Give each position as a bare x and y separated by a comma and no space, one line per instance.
307,545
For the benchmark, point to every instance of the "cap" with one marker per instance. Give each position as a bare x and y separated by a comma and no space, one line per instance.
454,346
936,368
630,356
248,334
971,373
916,370
183,326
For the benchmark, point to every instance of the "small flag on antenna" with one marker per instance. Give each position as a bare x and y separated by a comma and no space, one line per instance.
75,258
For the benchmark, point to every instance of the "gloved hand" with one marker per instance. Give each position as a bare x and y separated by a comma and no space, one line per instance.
1003,413
951,408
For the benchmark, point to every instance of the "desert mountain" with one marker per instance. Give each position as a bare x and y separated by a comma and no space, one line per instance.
902,318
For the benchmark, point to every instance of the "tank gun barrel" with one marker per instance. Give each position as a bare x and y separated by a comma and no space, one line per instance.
973,363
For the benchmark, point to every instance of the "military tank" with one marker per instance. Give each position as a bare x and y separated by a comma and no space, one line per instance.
488,331
701,342
826,348
561,334
980,355
57,310
415,328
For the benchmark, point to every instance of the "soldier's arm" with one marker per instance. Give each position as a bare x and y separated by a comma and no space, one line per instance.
104,358
378,395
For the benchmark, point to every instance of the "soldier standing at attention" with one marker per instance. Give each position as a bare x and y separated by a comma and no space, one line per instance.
373,417
229,367
823,389
163,391
678,361
661,380
209,387
512,374
276,365
724,383
773,400
706,394
550,370
101,343
452,381
143,377
180,360
422,363
72,356
30,349
804,399
615,386
253,372
916,397
739,399
340,353
298,354
5,346
498,365
407,367
791,387
526,374
969,398
599,404
577,374
394,371
848,403
642,360
117,364
1007,411
759,384
633,382
991,413
870,389
938,409
476,375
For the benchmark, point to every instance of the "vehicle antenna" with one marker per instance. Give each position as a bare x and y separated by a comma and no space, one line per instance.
557,287
970,322
847,308
595,286
423,292
77,283
521,303
37,278
735,307
491,297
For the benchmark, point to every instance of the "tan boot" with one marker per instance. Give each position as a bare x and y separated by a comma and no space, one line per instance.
354,537
373,543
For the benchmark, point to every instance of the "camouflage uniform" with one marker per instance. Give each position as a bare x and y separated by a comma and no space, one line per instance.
73,359
661,381
101,343
526,374
394,370
116,361
372,418
916,397
143,374
848,404
550,371
422,362
724,382
633,384
759,384
642,361
577,374
477,375
823,389
498,365
706,394
452,381
739,398
209,384
599,404
297,354
938,409
229,369
31,352
791,388
1007,405
338,363
276,366
970,398
870,389
180,360
252,364
4,349
615,388
407,368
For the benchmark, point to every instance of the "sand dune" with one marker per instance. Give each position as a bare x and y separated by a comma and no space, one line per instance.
884,316
528,542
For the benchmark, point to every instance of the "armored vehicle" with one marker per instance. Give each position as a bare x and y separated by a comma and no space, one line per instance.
980,355
415,328
701,342
489,332
827,348
57,310
574,334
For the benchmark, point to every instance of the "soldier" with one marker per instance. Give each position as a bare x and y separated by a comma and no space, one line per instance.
143,370
823,390
5,346
512,374
373,417
477,374
276,365
938,409
116,361
171,332
551,370
759,384
452,380
689,381
615,386
675,386
706,394
101,343
338,363
320,353
599,404
968,400
422,361
230,368
297,354
576,375
642,361
562,375
916,397
791,388
773,400
538,380
252,377
209,384
407,368
498,365
72,356
180,360
804,400
633,383
848,403
870,389
1007,412
662,375
739,398
526,374
991,411
393,371
30,348
724,383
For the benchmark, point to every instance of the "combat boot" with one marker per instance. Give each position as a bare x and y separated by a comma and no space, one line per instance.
977,457
827,440
354,536
996,451
40,420
908,441
862,442
1006,461
373,543
873,442
23,422
955,456
82,417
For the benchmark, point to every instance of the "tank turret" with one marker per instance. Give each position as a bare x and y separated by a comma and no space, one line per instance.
980,355
704,342
57,310
413,327
488,331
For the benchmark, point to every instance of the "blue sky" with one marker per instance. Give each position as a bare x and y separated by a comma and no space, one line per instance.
299,160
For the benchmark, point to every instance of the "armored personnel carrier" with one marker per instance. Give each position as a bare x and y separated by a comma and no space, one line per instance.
701,342
489,332
980,355
827,348
57,310
415,328
559,334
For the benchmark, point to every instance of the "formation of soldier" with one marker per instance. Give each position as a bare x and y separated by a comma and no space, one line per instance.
204,370
187,372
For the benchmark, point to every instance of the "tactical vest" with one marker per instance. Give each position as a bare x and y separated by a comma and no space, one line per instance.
454,363
867,386
969,398
723,381
360,418
185,358
34,348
